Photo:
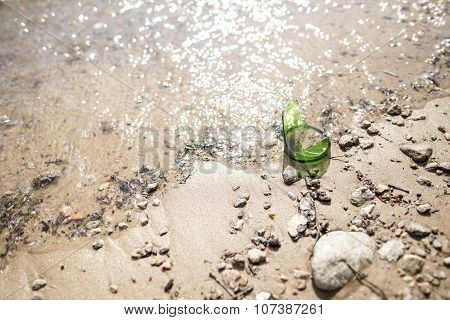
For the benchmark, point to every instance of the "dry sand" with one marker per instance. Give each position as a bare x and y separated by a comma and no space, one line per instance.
74,114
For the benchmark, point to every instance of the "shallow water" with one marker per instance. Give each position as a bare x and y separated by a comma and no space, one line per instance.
105,86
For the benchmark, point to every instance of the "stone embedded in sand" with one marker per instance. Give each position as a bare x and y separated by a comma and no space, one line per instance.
361,196
419,152
97,245
39,284
290,175
338,255
297,225
256,256
392,250
412,264
417,230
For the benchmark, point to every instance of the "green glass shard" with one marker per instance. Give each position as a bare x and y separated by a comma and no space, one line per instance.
308,148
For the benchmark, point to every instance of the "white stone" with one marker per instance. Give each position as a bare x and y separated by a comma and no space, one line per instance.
338,255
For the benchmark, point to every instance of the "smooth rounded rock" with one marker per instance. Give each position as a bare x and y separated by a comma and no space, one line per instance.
338,255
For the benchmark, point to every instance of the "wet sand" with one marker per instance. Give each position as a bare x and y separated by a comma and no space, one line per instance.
67,116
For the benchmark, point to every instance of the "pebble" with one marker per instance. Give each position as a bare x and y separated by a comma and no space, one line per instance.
335,252
417,230
256,256
156,202
221,265
240,203
412,264
307,208
235,187
113,288
423,181
97,245
361,196
144,221
39,284
163,231
425,288
239,224
437,244
365,124
419,152
296,226
238,261
447,262
263,295
92,224
373,129
103,186
301,284
301,274
394,110
168,285
346,141
424,208
292,196
366,211
142,205
152,187
290,175
392,250
366,144
406,113
440,275
166,266
267,205
122,226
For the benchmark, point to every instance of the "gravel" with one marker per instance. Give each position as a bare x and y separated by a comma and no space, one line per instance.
419,152
337,254
392,250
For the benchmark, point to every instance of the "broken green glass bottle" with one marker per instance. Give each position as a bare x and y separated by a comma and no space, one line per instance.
306,148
